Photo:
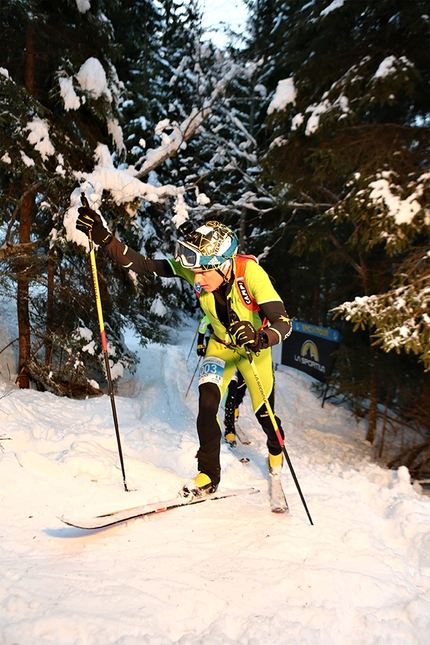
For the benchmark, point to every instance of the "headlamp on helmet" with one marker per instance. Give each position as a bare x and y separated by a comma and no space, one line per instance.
207,248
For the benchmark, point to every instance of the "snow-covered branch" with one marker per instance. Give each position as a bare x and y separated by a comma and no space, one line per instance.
398,319
177,139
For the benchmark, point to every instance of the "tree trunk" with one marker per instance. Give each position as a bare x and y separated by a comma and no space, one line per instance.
23,380
373,400
30,59
373,386
384,423
49,312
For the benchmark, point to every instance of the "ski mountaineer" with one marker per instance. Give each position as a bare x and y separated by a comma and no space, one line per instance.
243,308
204,330
235,394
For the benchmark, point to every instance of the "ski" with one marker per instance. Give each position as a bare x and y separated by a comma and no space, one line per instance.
109,519
235,447
241,435
238,452
278,501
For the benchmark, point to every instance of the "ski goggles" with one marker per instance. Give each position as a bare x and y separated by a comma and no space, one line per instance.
190,258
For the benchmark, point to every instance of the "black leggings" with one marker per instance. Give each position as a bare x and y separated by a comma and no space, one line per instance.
209,430
235,395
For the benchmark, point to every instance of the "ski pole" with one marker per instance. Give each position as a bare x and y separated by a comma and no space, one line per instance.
192,344
104,344
276,429
194,373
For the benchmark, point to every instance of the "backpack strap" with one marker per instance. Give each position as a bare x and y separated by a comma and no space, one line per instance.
247,299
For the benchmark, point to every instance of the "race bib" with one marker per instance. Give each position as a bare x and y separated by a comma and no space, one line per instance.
211,371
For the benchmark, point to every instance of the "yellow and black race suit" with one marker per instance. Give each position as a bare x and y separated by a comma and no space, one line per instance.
249,295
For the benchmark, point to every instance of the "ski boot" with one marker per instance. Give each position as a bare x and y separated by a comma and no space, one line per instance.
230,421
200,487
230,436
278,502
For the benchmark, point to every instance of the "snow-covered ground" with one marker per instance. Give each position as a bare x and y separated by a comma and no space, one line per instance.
221,573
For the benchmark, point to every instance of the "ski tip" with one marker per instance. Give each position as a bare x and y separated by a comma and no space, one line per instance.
64,520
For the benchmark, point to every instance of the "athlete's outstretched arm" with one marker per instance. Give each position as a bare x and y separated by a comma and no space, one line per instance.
136,262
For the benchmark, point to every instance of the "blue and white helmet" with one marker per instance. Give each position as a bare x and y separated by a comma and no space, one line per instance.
208,247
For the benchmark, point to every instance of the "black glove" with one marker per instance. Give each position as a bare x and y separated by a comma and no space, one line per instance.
243,333
90,222
201,350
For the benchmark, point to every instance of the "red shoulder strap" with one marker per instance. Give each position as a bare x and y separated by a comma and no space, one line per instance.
240,262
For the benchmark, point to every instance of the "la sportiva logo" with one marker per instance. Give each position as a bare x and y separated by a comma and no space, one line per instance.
309,355
310,350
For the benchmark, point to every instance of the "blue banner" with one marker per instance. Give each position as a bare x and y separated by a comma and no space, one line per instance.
311,349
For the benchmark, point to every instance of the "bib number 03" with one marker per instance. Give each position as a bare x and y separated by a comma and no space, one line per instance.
211,371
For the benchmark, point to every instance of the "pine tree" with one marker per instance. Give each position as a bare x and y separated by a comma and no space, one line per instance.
347,158
46,50
353,140
74,104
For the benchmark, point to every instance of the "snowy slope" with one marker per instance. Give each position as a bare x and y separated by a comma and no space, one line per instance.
220,573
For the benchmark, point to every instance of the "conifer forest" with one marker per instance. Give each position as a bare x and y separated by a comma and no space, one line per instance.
308,134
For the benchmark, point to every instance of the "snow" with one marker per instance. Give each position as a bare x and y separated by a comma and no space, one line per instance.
336,4
123,187
83,5
315,112
403,210
219,15
26,159
38,136
92,78
115,132
68,94
389,66
220,573
284,95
